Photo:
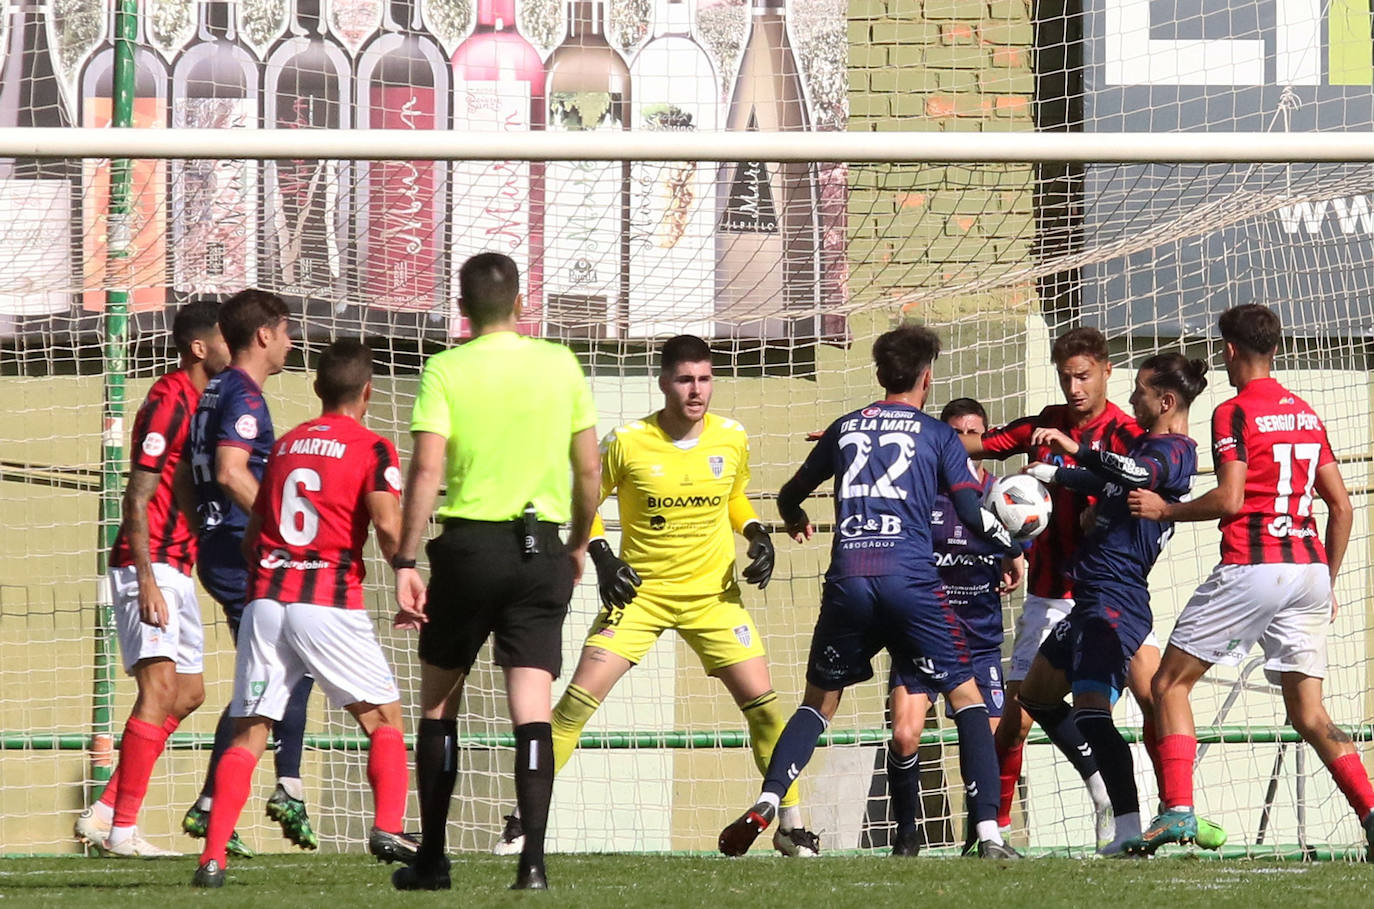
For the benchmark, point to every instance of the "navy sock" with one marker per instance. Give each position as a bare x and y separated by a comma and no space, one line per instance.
436,770
1057,721
1113,758
224,737
793,750
978,762
289,731
904,788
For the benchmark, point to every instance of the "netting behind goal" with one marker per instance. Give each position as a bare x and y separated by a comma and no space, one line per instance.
791,269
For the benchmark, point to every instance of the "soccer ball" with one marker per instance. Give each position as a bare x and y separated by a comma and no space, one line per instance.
1021,503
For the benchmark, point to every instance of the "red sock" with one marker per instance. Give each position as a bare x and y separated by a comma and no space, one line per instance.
138,752
1177,754
170,724
111,789
1009,762
1149,737
386,771
1348,771
233,779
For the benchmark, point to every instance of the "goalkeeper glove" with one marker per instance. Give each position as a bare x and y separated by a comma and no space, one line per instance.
760,568
615,579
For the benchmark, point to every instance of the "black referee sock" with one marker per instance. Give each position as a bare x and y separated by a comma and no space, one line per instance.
1113,758
533,787
1057,722
436,770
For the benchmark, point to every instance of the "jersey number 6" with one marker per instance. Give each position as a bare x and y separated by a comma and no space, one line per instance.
299,521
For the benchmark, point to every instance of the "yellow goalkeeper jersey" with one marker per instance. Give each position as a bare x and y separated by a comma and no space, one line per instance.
680,503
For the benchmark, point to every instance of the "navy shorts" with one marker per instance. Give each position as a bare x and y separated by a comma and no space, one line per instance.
224,575
1094,645
987,672
910,617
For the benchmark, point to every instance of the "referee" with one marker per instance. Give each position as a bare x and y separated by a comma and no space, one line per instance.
498,419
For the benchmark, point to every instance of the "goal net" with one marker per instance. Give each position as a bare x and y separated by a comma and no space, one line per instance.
790,267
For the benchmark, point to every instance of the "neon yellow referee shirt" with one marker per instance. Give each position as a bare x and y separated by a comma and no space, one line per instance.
508,406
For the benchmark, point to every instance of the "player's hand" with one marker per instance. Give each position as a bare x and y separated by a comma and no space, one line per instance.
801,529
411,598
1335,607
1013,573
152,608
1055,440
615,579
577,555
760,568
1146,504
1041,471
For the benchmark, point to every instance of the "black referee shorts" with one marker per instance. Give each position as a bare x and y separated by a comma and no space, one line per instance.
481,584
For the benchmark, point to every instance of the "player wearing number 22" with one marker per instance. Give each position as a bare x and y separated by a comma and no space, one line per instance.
325,482
1273,585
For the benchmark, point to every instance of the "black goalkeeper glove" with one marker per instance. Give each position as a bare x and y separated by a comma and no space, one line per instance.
760,568
615,579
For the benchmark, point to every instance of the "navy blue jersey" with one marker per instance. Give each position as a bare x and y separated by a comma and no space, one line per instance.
889,460
1118,553
971,569
231,412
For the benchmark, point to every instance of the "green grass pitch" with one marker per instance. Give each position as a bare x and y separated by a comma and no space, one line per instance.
606,881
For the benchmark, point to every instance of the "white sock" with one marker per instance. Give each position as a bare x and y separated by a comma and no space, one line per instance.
103,812
769,798
119,835
987,832
204,802
1098,790
1127,826
789,818
293,787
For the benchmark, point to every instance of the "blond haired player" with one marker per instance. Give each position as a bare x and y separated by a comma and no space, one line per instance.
679,475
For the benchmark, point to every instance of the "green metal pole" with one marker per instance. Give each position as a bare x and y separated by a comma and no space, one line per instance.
118,281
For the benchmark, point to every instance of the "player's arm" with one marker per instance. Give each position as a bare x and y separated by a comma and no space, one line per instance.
1222,502
152,608
1004,441
234,476
585,456
1078,479
384,510
1095,469
744,520
423,478
248,546
616,580
959,478
184,492
1330,485
818,467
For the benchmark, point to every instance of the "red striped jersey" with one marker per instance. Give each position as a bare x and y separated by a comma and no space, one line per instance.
160,430
1052,553
1283,443
312,503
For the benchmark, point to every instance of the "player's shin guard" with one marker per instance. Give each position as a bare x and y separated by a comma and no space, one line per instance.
1009,763
138,752
1349,774
224,737
571,713
1177,754
793,751
386,772
233,779
1057,722
766,722
904,788
436,769
978,762
289,731
1113,758
533,787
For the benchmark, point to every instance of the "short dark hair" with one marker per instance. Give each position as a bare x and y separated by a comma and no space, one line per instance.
1084,341
194,321
1251,328
682,349
245,312
345,368
488,284
902,355
1175,372
963,407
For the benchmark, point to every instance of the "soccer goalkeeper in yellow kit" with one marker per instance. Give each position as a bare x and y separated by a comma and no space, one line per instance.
680,476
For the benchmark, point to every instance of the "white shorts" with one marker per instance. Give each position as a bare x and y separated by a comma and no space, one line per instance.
1286,609
1038,617
279,644
182,641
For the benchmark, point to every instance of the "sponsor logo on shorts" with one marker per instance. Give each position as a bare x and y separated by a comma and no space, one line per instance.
257,689
393,477
154,444
607,632
997,698
742,635
717,465
246,426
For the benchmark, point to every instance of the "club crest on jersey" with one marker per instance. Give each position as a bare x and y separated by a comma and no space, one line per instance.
246,426
742,635
717,465
154,444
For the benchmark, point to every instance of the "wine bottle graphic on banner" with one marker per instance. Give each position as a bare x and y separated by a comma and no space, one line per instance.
215,202
403,83
35,195
768,244
498,206
148,192
673,203
586,230
306,255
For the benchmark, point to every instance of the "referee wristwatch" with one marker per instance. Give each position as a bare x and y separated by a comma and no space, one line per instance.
397,563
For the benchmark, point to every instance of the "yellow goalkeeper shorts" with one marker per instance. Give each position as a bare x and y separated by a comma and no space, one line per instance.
717,627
